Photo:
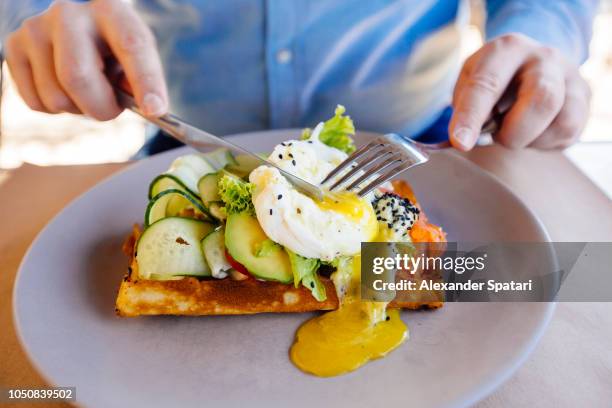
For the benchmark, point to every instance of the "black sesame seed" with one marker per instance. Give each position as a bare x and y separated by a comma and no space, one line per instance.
290,144
310,141
312,284
293,162
280,156
279,196
283,144
291,155
388,318
270,211
299,211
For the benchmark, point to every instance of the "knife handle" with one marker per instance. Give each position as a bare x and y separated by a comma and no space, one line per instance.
165,122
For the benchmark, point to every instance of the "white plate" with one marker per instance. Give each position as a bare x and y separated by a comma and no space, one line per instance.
66,287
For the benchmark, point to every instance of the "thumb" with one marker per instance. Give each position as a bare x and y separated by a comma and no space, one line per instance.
462,132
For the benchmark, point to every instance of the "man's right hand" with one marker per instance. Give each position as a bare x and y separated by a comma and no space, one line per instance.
57,59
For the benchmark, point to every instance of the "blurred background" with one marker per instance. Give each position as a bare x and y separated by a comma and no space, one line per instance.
42,139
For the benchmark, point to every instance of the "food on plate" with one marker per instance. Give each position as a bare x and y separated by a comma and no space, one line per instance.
225,235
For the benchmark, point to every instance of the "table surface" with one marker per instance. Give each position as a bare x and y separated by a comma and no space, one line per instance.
571,366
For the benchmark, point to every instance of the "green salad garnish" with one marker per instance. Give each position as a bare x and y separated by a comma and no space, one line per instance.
336,131
236,194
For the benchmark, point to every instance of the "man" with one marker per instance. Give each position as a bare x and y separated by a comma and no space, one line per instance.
239,65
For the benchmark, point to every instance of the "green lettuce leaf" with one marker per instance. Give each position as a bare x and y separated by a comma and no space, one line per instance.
336,131
305,272
237,194
312,282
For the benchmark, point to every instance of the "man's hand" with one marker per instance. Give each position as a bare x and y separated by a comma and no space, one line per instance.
550,106
57,59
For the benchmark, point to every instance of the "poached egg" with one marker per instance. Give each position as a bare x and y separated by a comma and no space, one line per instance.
324,230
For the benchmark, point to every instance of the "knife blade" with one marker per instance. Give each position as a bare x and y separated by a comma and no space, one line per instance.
203,141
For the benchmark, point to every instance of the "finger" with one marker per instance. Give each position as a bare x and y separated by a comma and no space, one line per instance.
51,94
133,45
516,45
80,68
540,97
21,72
480,87
571,120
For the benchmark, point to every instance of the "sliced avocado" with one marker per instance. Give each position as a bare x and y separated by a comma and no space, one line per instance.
243,238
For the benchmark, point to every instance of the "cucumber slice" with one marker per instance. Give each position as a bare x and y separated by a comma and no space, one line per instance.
171,247
217,210
213,246
243,237
209,191
189,168
220,158
174,202
186,171
244,165
165,182
208,187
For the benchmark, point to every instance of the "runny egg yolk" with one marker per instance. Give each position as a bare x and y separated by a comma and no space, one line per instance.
346,203
345,339
357,209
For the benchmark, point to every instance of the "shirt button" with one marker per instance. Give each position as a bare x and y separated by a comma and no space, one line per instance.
283,56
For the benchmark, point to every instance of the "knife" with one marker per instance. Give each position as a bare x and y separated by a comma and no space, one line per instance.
203,141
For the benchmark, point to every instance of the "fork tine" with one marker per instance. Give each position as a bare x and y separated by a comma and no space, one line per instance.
385,177
368,160
395,158
349,160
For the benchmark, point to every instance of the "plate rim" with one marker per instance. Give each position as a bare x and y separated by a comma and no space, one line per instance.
469,398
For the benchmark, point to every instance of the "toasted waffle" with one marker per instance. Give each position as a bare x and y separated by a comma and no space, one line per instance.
192,296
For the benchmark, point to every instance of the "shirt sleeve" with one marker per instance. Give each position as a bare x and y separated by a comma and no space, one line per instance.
12,14
563,24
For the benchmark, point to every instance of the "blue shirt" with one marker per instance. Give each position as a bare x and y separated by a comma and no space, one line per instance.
242,65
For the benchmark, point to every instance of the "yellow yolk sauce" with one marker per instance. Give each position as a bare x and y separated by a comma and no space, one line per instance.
345,339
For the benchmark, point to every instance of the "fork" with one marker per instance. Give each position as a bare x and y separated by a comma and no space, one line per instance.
386,157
